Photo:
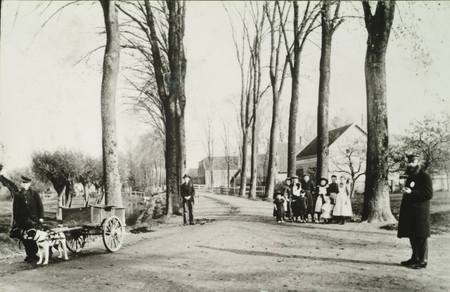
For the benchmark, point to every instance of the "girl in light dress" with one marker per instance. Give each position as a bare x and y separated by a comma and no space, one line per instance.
343,207
327,208
321,193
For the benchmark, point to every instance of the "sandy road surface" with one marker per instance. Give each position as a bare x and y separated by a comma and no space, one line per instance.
244,249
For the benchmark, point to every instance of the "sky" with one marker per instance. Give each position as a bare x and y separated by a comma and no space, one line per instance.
49,100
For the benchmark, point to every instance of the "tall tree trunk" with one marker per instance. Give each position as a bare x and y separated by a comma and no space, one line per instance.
293,114
324,94
171,153
1,3
295,88
272,167
376,194
242,187
228,171
254,158
111,60
177,64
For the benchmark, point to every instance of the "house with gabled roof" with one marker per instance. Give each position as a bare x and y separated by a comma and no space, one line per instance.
347,149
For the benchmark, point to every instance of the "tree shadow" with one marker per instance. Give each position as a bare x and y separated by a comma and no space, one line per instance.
314,258
271,221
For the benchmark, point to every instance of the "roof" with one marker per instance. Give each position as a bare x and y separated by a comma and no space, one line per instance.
220,162
333,135
281,150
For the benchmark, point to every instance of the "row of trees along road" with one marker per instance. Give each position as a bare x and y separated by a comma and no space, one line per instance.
155,32
159,39
290,24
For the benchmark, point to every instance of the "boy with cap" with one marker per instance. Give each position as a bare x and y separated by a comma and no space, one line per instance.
187,194
414,220
28,211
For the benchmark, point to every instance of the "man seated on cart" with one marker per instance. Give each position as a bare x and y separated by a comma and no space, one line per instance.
28,212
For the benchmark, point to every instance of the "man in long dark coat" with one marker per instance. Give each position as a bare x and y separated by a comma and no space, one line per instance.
414,221
28,211
187,195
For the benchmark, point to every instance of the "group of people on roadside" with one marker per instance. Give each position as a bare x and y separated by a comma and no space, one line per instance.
303,201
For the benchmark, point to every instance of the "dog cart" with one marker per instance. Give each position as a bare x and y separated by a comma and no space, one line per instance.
84,222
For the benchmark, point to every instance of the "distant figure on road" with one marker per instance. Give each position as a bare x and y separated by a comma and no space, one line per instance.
187,194
414,221
28,212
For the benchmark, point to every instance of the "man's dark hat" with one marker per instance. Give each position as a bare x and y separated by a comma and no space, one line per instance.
411,156
184,176
25,179
325,179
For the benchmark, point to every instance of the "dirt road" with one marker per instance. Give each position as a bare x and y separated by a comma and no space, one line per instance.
243,249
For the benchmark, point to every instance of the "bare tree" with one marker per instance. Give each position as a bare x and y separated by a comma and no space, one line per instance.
209,145
157,33
350,161
108,105
302,28
1,4
254,44
376,196
227,151
248,51
276,15
328,24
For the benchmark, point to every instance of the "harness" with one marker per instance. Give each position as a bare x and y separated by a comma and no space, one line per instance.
50,236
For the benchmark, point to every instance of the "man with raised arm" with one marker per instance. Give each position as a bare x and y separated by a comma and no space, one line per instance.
28,211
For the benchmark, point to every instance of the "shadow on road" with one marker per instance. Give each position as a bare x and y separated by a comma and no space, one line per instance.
314,258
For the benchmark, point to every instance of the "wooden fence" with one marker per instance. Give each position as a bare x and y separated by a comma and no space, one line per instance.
231,191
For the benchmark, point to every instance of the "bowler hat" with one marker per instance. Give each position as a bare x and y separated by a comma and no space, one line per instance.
410,156
185,176
25,179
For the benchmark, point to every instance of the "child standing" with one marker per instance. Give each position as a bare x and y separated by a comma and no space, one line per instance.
296,190
321,193
302,206
279,207
327,208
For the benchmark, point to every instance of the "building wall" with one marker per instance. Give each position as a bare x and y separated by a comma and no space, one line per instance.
219,177
354,138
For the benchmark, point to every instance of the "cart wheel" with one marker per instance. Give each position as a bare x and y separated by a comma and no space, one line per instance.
76,242
112,233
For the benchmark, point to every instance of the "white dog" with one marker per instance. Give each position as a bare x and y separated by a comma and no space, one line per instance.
47,240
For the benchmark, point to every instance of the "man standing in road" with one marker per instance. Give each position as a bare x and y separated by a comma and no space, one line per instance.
28,211
414,221
187,194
